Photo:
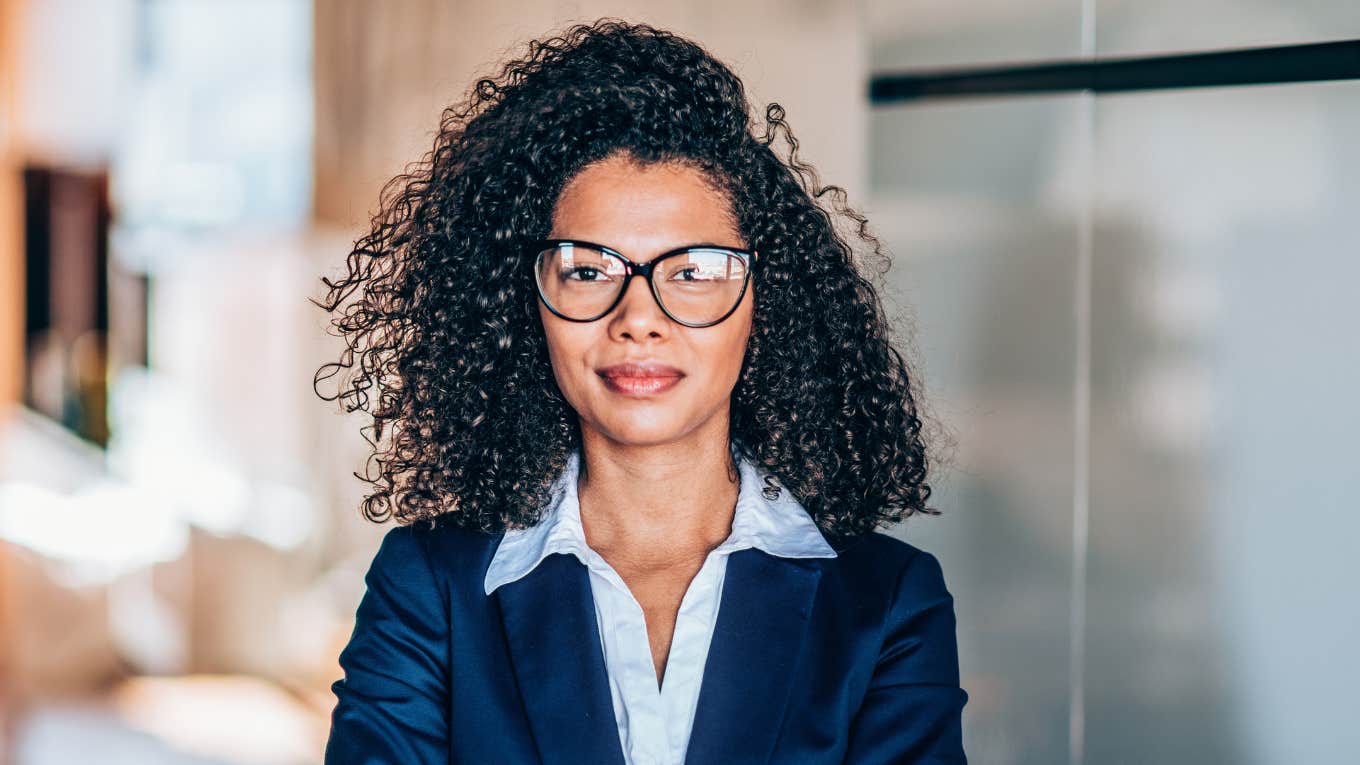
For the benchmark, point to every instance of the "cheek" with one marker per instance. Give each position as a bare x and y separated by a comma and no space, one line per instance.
567,349
725,354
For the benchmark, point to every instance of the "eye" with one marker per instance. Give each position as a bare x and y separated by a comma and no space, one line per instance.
583,274
698,273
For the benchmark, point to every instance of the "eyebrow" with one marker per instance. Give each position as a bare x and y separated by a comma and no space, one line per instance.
662,252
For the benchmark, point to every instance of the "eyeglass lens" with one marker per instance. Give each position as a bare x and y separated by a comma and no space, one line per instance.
695,287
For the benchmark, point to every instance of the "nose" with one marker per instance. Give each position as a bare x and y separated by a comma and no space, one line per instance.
637,315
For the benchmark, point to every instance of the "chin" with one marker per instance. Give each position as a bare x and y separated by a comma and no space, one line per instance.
643,431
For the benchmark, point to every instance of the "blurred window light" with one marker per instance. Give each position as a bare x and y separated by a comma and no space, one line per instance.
95,535
221,130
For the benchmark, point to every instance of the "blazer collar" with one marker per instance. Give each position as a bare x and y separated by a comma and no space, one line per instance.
554,645
543,591
767,516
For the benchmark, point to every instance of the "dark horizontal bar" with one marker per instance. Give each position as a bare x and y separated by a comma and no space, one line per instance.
1338,60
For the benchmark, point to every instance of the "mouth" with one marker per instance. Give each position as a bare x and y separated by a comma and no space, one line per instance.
640,380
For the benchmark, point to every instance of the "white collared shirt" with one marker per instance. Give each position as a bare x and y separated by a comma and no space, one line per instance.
654,725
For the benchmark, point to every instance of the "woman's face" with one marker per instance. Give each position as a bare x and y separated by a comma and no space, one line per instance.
643,211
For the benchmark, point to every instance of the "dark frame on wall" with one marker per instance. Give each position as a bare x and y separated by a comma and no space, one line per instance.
1339,60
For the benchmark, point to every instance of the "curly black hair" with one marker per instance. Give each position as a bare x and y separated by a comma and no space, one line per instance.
477,427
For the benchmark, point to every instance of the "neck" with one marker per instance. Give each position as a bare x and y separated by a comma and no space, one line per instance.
657,505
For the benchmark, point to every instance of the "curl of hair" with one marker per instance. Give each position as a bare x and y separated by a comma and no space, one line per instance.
455,371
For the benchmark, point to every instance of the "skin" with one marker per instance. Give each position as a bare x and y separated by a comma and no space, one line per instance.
658,489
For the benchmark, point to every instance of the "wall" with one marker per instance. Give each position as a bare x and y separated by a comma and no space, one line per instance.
1134,315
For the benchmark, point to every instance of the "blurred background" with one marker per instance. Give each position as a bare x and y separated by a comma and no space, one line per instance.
1134,316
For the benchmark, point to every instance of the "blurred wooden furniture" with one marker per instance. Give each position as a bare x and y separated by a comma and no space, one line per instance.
11,310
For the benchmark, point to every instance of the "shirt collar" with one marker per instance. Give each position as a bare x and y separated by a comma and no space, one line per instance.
766,517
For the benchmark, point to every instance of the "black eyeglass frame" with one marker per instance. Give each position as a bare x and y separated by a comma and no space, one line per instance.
538,247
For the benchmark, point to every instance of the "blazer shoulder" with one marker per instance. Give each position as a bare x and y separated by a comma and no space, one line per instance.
443,532
888,570
880,552
458,556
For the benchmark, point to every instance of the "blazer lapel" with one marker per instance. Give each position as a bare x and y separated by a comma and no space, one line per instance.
554,642
757,640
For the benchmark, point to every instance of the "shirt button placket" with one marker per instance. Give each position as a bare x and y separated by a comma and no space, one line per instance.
651,732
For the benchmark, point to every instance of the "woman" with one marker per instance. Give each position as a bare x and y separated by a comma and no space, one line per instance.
644,419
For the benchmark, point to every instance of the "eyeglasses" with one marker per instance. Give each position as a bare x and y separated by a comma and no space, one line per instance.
696,286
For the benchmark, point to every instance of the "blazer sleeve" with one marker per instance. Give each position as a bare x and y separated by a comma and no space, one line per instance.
913,709
392,702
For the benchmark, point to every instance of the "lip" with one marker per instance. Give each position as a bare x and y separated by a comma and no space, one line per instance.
640,378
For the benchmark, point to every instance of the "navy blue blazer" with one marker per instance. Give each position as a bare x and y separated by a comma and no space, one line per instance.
850,659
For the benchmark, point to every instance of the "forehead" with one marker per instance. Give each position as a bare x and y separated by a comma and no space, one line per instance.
644,207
